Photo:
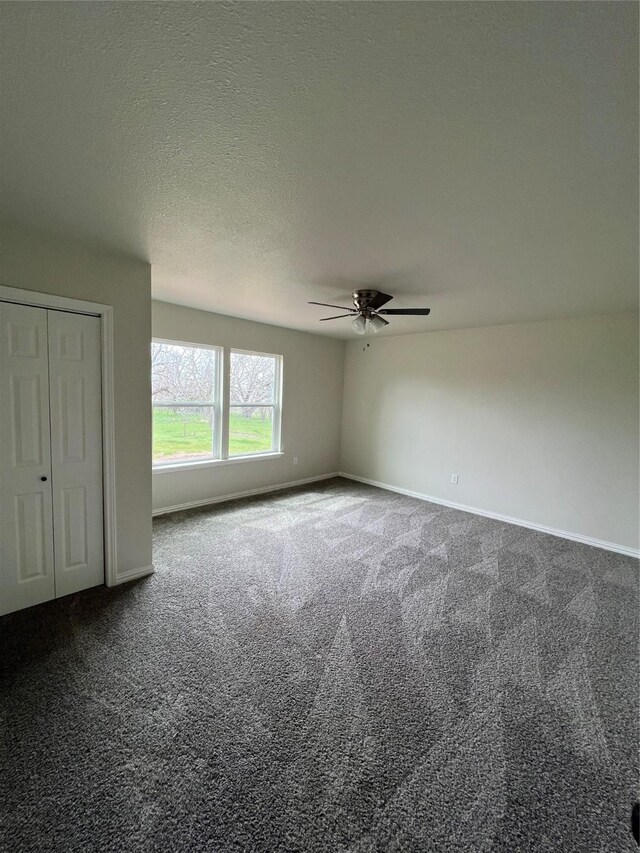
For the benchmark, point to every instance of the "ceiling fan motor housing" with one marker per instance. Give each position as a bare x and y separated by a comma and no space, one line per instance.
361,298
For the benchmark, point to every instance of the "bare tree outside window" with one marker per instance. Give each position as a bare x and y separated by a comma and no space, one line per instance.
253,411
182,374
182,377
252,380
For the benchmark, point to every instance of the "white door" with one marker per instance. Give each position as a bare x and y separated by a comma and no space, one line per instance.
26,517
51,519
76,450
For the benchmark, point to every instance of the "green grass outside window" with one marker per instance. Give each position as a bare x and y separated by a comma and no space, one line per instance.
179,436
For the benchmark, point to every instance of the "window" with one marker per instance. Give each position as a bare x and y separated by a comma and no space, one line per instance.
254,403
185,385
190,409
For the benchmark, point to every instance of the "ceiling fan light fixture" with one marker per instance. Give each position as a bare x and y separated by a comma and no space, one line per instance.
377,323
359,325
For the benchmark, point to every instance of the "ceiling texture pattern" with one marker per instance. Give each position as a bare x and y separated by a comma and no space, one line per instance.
477,158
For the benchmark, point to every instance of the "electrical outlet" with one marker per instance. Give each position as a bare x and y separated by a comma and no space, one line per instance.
454,479
295,460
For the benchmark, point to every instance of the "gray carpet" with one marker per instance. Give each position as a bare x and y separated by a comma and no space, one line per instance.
335,668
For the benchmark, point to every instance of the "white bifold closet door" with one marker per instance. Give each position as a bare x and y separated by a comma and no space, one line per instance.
51,518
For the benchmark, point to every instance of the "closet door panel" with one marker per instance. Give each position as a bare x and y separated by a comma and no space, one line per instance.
76,450
26,535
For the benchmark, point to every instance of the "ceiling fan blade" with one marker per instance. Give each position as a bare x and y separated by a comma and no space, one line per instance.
334,318
378,301
328,305
418,312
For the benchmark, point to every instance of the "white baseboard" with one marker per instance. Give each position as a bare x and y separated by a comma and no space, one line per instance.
132,574
247,494
542,528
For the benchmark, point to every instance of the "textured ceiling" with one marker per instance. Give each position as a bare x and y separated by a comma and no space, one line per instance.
479,158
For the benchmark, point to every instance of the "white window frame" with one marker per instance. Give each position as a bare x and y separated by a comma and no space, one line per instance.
222,410
276,406
216,404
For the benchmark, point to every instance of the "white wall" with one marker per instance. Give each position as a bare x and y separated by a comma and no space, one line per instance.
540,420
311,410
34,261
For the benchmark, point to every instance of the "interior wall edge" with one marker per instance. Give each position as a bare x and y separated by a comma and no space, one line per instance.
131,575
519,522
263,490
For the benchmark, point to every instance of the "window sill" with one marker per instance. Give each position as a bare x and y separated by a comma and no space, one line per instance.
213,463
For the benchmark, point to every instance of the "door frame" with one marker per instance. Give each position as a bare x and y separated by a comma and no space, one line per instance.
105,313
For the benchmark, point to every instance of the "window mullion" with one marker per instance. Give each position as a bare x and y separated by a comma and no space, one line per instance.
277,409
217,394
225,396
173,404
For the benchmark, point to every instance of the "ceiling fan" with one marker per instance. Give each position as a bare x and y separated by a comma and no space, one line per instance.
368,310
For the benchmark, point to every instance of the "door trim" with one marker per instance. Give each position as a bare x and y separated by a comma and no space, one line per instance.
105,313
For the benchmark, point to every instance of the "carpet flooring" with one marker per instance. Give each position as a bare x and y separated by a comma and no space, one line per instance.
334,668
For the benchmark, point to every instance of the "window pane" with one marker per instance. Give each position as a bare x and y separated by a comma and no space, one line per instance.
182,373
250,430
182,434
252,378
